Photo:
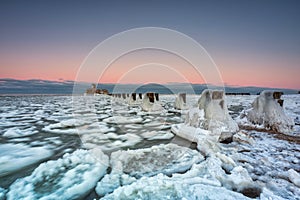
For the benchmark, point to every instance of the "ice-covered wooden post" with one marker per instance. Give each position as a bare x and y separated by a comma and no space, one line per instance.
180,101
149,103
140,95
133,95
277,96
156,97
267,110
150,95
124,96
215,109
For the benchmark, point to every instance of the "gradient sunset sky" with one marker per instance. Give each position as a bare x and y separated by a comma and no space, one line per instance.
253,43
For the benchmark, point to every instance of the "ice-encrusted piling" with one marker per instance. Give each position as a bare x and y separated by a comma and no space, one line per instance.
140,95
133,96
149,103
180,101
213,103
267,110
150,96
124,96
209,123
133,100
156,96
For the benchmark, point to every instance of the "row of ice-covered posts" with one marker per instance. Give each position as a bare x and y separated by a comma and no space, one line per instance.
215,95
135,96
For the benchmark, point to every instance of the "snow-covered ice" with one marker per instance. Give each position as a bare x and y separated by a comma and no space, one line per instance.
163,187
70,177
127,166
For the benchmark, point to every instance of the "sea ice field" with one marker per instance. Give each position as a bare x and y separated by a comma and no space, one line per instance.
105,147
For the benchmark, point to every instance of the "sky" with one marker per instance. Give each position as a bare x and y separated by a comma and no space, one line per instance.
253,43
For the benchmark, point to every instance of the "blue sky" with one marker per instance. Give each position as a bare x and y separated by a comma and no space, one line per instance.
252,42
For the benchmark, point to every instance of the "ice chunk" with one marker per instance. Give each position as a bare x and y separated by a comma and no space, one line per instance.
165,159
239,179
162,187
157,135
112,181
14,157
267,110
70,177
294,177
109,141
96,127
267,195
2,193
131,164
16,132
123,120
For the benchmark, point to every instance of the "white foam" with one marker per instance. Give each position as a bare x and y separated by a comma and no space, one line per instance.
70,177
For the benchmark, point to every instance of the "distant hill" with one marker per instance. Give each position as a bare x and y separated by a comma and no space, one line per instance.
36,86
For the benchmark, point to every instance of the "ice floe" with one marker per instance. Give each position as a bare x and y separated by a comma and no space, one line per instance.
14,157
294,177
157,135
123,120
2,193
163,187
109,141
70,177
129,165
16,132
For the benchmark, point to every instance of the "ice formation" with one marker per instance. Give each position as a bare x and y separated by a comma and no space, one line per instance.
127,166
123,120
109,141
267,111
2,193
163,187
165,159
16,132
207,124
14,157
150,104
215,110
294,177
134,99
70,177
180,102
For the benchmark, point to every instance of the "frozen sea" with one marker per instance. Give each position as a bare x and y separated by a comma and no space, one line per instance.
93,147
